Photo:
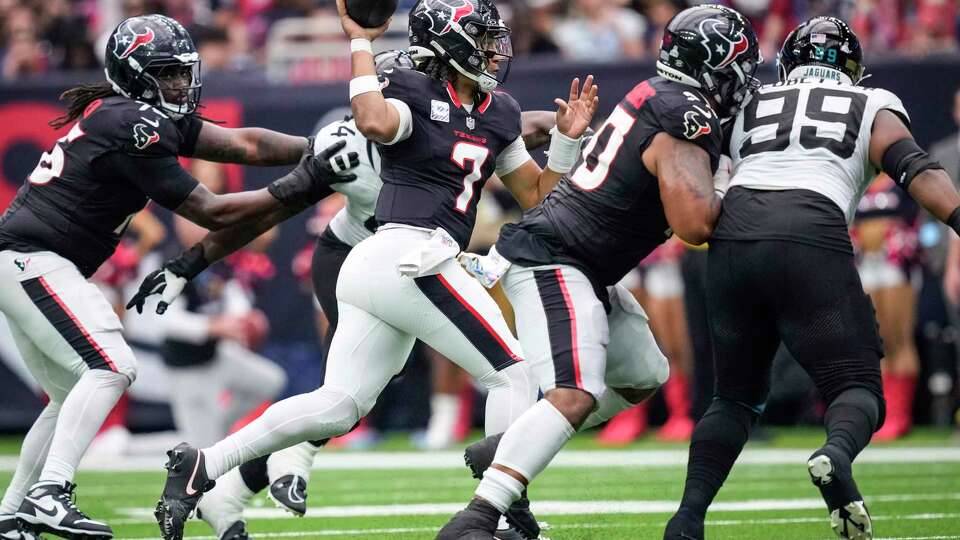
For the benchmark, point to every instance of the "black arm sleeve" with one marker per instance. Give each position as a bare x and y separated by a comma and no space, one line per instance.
160,178
190,127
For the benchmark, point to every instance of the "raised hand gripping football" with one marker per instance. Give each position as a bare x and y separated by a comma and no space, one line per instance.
353,30
574,116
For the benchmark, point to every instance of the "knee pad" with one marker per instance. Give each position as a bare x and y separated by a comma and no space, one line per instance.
634,360
741,415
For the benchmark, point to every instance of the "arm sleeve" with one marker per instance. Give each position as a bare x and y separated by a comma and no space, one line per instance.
406,120
189,127
512,157
160,178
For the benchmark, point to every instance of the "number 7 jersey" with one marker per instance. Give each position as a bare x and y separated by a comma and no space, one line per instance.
811,134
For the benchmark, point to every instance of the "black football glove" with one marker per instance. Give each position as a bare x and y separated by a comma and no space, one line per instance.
310,181
169,280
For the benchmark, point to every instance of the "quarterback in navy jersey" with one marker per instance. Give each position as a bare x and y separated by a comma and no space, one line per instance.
442,132
121,151
646,174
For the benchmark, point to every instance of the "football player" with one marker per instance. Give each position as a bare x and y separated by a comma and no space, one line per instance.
781,266
287,472
647,174
68,217
442,133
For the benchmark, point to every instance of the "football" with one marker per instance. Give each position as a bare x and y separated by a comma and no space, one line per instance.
371,13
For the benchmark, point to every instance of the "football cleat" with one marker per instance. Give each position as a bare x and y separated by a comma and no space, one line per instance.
50,507
186,482
10,529
832,475
478,521
683,526
478,458
237,531
290,493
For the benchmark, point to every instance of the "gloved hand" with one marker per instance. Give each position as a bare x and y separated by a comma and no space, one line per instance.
169,280
311,179
721,178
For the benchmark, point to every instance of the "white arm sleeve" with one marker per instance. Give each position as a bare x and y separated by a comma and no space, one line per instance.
512,157
406,120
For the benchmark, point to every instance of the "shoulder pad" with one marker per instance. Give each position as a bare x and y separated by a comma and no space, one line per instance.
886,99
404,84
685,114
135,127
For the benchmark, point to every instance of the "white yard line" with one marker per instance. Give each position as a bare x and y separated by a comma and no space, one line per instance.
572,458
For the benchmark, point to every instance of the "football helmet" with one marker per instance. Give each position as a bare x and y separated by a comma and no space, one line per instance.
467,35
822,41
152,58
715,49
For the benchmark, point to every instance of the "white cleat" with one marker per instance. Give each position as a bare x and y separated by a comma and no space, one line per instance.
852,521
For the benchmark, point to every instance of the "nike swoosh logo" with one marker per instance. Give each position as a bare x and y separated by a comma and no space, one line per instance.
50,509
196,466
154,123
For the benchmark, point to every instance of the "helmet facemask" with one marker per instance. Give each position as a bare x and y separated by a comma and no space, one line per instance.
174,84
483,48
732,86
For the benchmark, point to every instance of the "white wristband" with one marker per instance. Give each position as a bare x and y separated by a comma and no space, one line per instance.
361,44
563,152
363,84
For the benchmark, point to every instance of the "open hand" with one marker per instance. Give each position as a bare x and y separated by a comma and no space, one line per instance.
574,116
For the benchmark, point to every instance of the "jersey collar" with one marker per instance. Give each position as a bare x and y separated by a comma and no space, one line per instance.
819,72
484,105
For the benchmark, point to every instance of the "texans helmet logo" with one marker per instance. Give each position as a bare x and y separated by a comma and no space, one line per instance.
142,138
447,11
721,50
128,40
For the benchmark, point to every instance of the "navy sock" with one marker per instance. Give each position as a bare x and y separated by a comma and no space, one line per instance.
254,474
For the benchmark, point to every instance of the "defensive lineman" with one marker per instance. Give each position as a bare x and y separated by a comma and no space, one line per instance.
781,265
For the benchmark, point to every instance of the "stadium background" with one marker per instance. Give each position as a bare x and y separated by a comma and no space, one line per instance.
48,46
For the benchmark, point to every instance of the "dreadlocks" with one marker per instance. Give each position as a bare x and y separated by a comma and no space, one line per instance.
79,98
435,68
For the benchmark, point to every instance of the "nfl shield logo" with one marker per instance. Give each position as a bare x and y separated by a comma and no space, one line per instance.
471,123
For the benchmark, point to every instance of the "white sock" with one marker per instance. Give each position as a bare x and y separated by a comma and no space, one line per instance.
548,430
320,414
609,405
33,454
81,415
296,460
443,418
499,489
511,393
223,505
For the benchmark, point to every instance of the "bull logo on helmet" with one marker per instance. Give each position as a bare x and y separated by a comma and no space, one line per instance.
721,50
447,11
129,40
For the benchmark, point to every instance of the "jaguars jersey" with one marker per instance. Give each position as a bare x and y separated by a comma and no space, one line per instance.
74,205
811,134
356,220
434,177
607,215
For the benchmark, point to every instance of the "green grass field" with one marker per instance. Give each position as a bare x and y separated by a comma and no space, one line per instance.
912,488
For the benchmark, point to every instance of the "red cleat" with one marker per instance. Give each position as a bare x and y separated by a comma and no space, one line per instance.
677,429
625,427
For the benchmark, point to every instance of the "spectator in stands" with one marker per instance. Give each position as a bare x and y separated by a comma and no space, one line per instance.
877,22
534,22
659,13
934,29
23,54
601,31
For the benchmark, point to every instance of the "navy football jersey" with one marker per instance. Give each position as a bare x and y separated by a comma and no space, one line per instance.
434,177
83,192
606,215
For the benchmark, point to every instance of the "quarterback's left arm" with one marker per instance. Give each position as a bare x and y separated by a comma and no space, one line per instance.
248,146
528,183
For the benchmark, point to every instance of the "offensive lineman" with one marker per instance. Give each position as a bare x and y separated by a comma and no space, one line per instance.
781,266
647,174
443,132
68,218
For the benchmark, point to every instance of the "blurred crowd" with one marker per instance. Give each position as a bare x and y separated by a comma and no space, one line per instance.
41,36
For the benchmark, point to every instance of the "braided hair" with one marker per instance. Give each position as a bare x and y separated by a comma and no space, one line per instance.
79,98
437,69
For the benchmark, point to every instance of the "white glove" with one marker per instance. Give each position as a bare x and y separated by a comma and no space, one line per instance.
721,178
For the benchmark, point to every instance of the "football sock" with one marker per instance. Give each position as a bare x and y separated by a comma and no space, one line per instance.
229,495
609,405
851,420
443,418
532,441
320,414
499,489
87,405
716,442
254,474
296,460
33,454
511,393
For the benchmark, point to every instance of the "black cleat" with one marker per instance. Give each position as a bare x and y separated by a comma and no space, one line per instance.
186,482
290,493
478,521
478,458
237,531
684,526
49,507
10,529
833,476
507,534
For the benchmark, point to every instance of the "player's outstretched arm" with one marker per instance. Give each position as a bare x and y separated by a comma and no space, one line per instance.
248,146
686,186
535,128
893,149
528,183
